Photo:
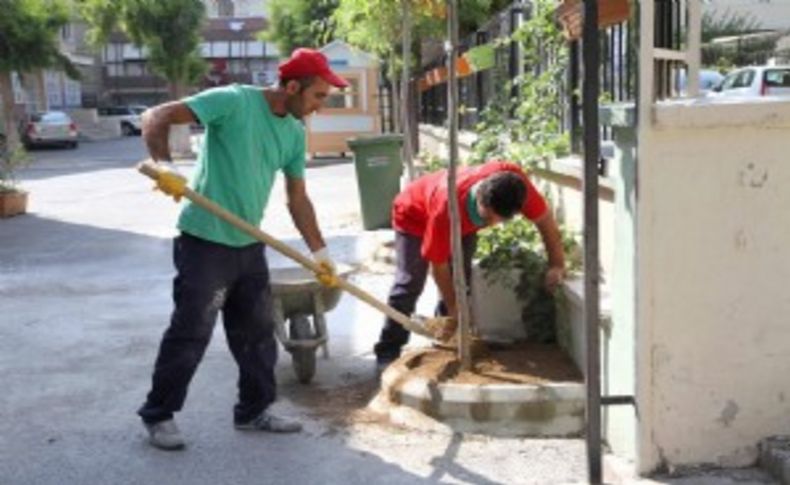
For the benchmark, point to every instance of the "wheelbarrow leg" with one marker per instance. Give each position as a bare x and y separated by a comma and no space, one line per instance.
279,320
320,322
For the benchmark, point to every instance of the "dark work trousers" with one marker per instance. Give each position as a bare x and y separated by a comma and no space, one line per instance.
212,277
410,275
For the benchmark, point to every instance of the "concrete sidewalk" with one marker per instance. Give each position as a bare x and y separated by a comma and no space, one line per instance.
84,297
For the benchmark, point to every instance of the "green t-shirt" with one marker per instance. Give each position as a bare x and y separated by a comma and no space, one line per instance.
244,146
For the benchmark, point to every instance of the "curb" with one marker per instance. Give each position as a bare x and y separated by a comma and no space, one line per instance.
540,410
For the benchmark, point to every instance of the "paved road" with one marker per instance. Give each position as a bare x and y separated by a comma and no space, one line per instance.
84,297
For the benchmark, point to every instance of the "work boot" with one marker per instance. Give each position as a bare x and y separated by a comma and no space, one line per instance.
164,435
266,421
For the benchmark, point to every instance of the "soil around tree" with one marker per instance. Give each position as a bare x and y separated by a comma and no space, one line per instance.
524,363
521,363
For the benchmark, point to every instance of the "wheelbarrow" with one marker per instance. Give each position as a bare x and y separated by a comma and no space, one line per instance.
300,303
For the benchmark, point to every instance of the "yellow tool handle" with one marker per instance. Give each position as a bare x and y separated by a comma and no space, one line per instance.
151,170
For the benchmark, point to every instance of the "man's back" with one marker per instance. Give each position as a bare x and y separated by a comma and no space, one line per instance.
244,147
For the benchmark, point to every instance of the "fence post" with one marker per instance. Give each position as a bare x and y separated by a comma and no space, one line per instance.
592,82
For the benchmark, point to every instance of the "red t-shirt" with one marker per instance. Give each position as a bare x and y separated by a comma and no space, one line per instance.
421,209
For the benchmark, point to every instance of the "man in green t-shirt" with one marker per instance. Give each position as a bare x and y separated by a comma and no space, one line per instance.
251,133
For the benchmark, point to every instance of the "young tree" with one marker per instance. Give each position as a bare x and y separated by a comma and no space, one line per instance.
29,40
394,30
300,23
168,31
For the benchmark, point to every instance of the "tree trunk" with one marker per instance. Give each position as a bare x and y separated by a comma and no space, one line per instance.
408,151
9,120
180,139
396,100
459,278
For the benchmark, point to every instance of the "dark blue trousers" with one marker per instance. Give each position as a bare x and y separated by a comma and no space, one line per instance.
212,278
410,274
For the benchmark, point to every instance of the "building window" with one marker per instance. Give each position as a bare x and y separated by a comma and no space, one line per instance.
135,69
237,66
348,98
114,69
65,32
224,8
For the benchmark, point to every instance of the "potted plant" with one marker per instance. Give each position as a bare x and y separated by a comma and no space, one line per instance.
13,200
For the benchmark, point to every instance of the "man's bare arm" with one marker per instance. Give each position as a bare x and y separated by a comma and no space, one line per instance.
302,213
156,124
552,241
443,277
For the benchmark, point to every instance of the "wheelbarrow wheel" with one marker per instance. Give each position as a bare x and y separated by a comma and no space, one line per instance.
302,358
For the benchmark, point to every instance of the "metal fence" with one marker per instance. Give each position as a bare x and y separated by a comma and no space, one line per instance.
618,71
475,91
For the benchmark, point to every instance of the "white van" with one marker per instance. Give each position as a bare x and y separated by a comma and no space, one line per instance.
127,116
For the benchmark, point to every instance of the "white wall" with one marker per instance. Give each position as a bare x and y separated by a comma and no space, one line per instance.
241,8
713,266
337,123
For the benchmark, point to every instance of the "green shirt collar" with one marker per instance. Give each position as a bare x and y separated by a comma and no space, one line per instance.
471,207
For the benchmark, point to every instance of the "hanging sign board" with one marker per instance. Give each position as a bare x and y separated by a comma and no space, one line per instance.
478,58
571,15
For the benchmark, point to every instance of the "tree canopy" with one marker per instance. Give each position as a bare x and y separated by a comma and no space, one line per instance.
300,23
376,25
29,40
29,35
169,31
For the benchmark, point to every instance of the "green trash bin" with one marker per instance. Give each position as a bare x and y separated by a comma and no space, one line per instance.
378,164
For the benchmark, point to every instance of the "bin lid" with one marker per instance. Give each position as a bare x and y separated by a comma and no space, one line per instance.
367,140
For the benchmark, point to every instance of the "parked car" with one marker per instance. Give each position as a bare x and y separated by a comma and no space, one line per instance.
127,116
755,81
49,128
708,80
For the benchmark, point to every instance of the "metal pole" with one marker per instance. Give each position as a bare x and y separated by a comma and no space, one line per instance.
591,48
459,278
573,86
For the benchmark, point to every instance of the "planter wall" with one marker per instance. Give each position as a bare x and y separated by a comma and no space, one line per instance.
495,308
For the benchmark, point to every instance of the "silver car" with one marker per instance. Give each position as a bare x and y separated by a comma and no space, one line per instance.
128,117
755,81
50,128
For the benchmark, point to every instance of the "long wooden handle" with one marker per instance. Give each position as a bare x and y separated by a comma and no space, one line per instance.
151,170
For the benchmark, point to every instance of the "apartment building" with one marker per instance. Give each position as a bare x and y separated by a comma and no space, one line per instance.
229,46
50,89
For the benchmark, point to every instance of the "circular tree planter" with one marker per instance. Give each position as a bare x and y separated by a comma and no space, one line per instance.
526,390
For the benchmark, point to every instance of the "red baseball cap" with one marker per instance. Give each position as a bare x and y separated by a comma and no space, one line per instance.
309,62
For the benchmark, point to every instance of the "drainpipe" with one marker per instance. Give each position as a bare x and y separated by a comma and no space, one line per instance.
591,89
